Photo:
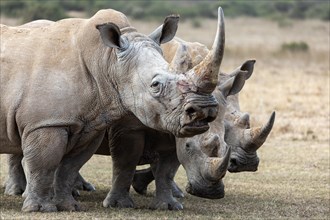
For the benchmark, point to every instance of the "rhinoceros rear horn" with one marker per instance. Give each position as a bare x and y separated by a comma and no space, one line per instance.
254,138
205,74
216,167
166,31
182,60
110,34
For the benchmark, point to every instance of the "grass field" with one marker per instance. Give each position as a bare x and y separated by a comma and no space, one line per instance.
293,180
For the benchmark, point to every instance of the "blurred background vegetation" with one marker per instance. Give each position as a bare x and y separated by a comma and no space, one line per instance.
29,10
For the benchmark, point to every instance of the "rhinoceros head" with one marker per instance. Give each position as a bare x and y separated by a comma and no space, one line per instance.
243,140
149,88
205,157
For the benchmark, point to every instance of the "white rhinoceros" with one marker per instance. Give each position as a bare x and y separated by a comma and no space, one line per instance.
232,129
65,84
208,143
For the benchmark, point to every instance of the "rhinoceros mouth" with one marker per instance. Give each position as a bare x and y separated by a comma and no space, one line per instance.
208,193
236,169
235,166
195,127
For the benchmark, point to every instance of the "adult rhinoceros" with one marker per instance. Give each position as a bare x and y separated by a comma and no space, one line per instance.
234,131
160,141
63,85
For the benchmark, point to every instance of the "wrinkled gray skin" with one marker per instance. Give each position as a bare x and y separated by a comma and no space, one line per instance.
196,53
55,109
243,140
163,144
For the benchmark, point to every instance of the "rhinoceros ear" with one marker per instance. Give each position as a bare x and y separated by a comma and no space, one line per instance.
166,31
247,66
110,34
233,85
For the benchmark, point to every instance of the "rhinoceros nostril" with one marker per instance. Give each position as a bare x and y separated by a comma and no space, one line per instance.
190,110
233,161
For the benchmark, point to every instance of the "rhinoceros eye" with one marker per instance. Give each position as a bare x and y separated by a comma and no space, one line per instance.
156,87
155,84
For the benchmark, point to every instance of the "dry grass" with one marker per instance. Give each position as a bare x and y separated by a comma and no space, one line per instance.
293,180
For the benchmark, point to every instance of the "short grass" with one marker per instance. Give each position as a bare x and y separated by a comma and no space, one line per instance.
293,180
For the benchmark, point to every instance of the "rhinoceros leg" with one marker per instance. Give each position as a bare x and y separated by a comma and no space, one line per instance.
16,182
176,191
67,173
125,154
164,172
43,150
142,178
81,184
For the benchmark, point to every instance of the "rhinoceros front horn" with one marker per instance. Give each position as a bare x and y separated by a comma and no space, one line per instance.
205,74
216,167
255,137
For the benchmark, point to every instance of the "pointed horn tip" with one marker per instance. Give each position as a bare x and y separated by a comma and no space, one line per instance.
220,11
266,129
272,118
228,152
273,115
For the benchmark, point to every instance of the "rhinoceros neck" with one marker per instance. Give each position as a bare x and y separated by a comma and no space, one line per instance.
99,62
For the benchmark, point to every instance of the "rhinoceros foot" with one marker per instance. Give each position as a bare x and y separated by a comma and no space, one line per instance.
169,204
118,201
67,204
14,189
37,205
176,191
82,184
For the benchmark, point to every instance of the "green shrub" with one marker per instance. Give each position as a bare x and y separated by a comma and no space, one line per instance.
295,47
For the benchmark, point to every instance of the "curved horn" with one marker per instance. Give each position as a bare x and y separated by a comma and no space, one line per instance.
255,137
215,167
205,74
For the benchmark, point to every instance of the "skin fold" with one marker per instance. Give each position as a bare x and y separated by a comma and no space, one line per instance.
86,79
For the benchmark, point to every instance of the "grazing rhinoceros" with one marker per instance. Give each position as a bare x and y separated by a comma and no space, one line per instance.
101,74
243,140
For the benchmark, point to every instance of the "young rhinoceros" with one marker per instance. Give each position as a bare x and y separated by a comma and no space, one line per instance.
101,74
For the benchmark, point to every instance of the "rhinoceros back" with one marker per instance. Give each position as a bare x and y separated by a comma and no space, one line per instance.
44,77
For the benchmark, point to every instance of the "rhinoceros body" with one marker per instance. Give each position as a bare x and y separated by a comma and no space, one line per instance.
64,84
231,128
211,143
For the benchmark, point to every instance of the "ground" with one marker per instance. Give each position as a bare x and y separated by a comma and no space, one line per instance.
293,180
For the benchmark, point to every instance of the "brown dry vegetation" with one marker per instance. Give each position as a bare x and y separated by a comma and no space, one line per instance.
293,180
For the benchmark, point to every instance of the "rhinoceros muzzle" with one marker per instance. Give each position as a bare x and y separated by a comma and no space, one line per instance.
215,191
200,110
236,166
